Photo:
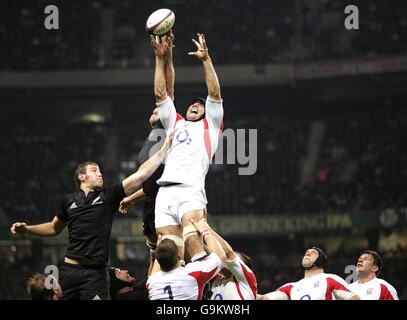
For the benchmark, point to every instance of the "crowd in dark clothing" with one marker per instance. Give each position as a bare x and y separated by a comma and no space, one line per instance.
360,164
101,34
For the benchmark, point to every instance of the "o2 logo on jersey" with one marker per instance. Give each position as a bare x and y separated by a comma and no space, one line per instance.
183,136
306,297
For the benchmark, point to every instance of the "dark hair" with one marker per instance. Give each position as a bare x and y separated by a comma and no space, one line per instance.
167,254
36,287
376,259
199,100
116,284
246,259
81,169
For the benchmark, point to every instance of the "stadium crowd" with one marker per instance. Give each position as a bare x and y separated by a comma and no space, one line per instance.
361,164
112,34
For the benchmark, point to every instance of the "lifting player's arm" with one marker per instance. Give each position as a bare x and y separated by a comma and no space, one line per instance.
132,183
240,271
228,250
47,229
212,244
230,254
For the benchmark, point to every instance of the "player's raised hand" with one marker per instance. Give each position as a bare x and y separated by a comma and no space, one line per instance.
125,204
18,228
171,40
160,47
202,49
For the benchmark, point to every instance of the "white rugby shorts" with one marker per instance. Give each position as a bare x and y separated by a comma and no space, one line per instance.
173,202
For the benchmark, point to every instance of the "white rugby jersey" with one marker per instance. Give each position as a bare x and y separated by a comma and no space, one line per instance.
183,283
375,289
323,286
194,143
243,286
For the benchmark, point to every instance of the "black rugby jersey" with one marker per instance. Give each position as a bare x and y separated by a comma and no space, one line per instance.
90,221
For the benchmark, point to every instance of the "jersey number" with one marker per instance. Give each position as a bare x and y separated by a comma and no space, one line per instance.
168,290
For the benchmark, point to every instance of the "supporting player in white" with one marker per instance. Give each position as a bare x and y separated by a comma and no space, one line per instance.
368,286
236,280
170,280
316,284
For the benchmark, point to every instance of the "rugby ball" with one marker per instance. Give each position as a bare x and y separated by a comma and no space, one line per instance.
160,21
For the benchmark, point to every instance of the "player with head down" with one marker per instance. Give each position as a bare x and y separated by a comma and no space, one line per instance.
171,279
182,186
316,284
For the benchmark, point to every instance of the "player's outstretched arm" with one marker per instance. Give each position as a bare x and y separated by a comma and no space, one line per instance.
160,50
211,243
132,183
47,229
211,77
230,254
168,114
169,67
227,248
